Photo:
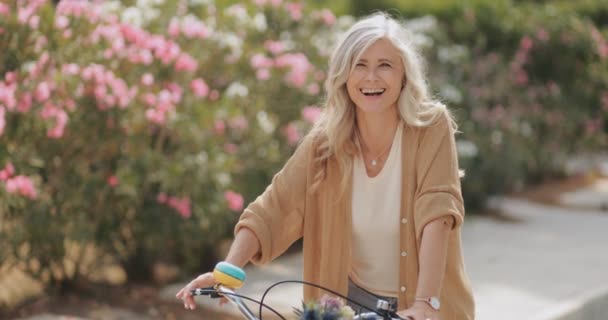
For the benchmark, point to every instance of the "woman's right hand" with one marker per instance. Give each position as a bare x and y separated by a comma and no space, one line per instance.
203,281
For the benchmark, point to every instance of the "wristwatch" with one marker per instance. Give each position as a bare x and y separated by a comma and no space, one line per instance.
432,301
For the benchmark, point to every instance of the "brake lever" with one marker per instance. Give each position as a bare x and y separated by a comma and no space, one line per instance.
209,291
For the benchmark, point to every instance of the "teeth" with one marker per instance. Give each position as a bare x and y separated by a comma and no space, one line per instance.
372,90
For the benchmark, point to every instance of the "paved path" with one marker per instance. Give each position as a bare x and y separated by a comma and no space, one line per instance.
539,263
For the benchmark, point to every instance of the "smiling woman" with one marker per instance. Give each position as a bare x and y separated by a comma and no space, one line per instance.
374,188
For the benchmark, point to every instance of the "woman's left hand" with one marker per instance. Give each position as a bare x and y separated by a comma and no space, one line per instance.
419,311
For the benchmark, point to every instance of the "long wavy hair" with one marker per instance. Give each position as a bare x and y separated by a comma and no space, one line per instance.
334,132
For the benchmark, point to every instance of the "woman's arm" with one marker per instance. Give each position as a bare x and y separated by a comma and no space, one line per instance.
433,256
243,248
432,260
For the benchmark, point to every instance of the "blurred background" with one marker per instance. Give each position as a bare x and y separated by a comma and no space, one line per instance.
133,133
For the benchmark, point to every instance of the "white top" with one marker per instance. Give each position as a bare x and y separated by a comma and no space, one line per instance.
376,207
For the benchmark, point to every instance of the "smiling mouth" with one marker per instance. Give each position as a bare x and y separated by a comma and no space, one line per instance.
372,92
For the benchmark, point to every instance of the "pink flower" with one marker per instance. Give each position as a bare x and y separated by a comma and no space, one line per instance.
195,29
521,77
526,43
199,88
214,95
239,123
112,181
21,185
262,74
235,200
71,69
25,103
313,89
219,127
300,66
43,92
230,148
328,17
156,116
173,29
7,172
292,134
542,34
62,22
147,79
161,197
181,205
295,10
311,113
2,119
260,61
10,77
61,119
4,9
275,47
185,62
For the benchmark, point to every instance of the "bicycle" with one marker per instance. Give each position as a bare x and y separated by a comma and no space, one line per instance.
231,277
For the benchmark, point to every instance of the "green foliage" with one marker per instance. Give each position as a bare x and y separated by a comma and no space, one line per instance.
117,151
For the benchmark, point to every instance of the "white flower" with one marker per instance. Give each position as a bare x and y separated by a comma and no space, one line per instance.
466,148
132,16
237,11
237,89
223,179
110,7
195,3
451,93
259,22
452,54
265,122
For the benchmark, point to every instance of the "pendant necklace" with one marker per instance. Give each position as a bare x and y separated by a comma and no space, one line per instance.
374,161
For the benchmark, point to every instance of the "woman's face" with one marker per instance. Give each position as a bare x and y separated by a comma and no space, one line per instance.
375,83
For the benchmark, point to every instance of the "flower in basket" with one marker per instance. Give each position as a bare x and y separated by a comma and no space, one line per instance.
326,308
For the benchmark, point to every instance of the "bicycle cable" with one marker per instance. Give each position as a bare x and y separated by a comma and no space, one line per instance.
313,285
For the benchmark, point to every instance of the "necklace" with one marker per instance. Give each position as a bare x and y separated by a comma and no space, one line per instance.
374,161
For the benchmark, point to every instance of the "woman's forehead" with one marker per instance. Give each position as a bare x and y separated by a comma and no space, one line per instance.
381,49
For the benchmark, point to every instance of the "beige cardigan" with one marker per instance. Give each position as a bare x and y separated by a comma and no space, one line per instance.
287,211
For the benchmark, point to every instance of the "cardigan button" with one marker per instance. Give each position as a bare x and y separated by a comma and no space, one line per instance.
402,289
403,253
404,220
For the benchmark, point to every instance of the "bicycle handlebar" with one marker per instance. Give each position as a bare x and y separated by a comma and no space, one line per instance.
231,277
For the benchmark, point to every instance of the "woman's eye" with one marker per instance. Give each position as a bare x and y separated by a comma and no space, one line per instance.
385,65
360,64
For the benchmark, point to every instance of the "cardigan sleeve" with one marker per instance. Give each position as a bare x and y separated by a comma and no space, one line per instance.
438,190
276,216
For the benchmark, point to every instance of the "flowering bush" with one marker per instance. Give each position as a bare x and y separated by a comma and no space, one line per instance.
141,130
527,85
327,308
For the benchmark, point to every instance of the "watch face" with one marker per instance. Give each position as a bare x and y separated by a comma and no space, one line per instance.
434,302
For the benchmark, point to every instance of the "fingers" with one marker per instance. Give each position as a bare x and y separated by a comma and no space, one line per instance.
203,280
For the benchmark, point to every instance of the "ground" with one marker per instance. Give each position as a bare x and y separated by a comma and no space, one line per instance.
134,302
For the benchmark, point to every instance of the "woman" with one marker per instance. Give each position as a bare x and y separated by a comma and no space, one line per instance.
374,188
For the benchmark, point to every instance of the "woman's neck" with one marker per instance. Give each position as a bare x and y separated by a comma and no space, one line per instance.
377,129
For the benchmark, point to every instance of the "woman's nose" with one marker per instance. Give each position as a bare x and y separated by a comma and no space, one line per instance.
370,74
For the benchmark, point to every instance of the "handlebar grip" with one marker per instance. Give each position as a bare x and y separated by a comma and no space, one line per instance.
229,275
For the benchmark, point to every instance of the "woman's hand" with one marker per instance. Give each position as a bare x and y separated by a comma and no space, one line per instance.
202,281
419,311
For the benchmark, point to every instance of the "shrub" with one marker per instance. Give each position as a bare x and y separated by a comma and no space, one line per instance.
140,131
